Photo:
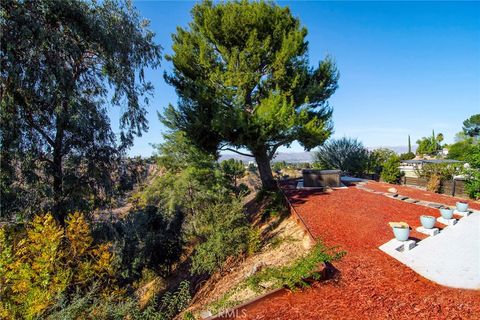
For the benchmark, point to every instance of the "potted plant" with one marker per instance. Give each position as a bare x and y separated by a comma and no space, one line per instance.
462,206
401,230
427,221
446,213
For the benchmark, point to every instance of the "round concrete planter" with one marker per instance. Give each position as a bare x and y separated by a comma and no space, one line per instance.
462,206
401,234
427,221
446,213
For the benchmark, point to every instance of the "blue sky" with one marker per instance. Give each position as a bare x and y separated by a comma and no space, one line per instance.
406,67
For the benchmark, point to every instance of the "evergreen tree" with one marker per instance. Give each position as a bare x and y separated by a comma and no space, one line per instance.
471,126
60,62
232,170
242,73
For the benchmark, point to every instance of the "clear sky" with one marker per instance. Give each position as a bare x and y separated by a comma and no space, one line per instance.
405,67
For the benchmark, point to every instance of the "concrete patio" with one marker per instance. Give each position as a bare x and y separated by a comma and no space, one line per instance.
450,258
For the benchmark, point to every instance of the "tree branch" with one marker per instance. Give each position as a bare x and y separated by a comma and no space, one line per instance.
38,129
240,153
44,159
274,147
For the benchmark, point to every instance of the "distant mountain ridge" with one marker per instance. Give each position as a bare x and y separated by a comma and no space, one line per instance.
397,149
281,156
303,156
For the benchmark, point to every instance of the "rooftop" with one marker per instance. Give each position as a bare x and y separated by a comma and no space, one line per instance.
431,161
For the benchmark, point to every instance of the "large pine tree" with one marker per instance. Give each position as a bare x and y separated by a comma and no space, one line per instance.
242,73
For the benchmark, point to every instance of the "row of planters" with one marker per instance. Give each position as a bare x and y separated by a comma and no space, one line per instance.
401,230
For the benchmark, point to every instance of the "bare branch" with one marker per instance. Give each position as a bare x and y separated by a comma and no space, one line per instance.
44,159
32,124
240,153
275,146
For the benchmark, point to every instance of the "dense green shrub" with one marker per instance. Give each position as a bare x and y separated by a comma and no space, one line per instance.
461,149
436,173
407,156
473,157
254,241
243,190
294,275
194,185
377,159
143,239
279,165
472,183
94,305
391,172
223,231
274,204
346,154
445,171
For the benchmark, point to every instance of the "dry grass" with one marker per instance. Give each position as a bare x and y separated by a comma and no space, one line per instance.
282,244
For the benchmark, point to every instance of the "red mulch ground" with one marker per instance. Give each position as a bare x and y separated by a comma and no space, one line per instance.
419,194
370,284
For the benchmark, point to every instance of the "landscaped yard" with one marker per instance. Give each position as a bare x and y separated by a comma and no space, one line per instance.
208,159
369,283
420,194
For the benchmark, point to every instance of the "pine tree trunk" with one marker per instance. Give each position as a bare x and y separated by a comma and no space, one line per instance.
263,163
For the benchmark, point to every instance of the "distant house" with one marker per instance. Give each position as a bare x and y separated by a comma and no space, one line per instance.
408,167
251,164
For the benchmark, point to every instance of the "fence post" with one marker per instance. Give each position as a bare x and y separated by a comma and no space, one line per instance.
454,185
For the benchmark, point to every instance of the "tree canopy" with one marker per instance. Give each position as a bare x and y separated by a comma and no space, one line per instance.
471,126
391,172
461,149
62,64
430,145
232,170
378,158
243,78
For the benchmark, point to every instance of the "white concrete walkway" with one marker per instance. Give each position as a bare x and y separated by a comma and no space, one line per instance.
451,258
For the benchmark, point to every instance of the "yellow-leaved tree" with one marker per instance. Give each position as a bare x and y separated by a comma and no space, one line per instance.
36,267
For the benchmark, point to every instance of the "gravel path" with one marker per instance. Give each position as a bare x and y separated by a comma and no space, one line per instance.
420,194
